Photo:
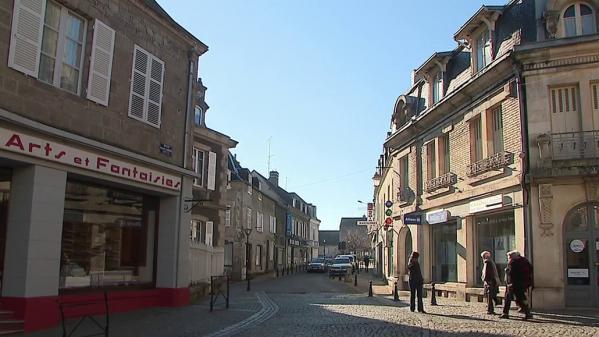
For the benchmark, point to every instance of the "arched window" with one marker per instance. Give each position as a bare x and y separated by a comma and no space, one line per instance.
438,87
578,19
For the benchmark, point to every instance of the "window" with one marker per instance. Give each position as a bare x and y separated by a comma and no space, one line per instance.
228,179
258,255
249,218
228,255
198,116
431,157
62,48
273,224
438,87
111,246
404,179
259,222
445,154
496,116
444,261
578,19
228,217
595,104
496,234
250,189
483,50
198,164
198,231
271,251
147,75
476,140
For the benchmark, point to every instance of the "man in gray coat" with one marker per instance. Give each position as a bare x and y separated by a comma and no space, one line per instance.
490,279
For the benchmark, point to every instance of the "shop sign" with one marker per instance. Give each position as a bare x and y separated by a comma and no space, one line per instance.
578,273
577,246
24,144
437,217
366,223
166,150
412,219
486,204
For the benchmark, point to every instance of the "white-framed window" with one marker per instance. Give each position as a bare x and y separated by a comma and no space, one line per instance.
199,166
249,218
228,217
496,122
483,50
259,222
578,19
147,76
198,231
198,118
258,255
438,87
250,189
273,224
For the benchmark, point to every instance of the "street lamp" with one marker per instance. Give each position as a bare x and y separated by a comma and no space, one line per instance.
324,244
247,231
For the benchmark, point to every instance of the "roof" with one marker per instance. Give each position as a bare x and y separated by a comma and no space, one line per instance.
436,58
154,6
350,222
331,237
484,13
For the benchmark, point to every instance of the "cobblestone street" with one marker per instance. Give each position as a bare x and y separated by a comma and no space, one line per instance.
305,305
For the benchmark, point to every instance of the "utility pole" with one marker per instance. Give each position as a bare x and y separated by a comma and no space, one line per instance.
269,153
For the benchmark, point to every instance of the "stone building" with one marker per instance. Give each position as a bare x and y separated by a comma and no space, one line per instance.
96,129
560,74
328,244
452,165
353,237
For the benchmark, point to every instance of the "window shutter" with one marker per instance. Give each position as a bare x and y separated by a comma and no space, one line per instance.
137,103
155,93
595,96
211,171
209,232
98,88
26,39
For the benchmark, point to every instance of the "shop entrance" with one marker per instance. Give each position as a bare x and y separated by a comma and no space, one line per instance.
5,179
581,246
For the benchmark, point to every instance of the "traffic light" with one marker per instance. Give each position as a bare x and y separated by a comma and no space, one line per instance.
388,213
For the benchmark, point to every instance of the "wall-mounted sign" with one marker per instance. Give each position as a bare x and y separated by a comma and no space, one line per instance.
366,223
577,246
53,151
437,217
486,204
166,150
370,211
578,273
412,219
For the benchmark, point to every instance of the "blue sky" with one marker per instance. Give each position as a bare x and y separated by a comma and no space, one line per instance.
317,77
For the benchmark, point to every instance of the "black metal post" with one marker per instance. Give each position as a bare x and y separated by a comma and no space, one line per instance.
395,294
211,293
356,280
434,294
370,289
247,261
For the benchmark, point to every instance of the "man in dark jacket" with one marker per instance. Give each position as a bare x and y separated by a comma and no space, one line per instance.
518,275
366,262
490,279
415,281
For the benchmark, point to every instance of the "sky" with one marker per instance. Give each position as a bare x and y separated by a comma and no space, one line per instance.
317,81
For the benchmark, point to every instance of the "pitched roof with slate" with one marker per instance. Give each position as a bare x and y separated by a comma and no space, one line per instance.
331,236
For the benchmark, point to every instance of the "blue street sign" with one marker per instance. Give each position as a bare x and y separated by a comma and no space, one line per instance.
388,204
412,219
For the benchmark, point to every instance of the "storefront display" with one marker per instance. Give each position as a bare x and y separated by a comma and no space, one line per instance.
495,233
444,238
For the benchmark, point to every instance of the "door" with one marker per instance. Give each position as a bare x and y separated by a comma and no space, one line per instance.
581,248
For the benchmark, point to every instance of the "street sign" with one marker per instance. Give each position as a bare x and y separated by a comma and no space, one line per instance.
388,204
412,219
366,223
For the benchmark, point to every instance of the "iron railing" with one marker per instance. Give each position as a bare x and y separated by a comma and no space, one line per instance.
495,162
575,145
446,180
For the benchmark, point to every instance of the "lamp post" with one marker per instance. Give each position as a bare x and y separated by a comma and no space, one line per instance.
247,232
324,246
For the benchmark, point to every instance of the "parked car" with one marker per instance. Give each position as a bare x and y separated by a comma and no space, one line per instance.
341,266
317,265
352,259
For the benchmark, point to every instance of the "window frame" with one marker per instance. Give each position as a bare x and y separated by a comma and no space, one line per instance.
60,45
481,58
148,81
496,141
437,93
578,19
476,144
431,160
203,172
201,115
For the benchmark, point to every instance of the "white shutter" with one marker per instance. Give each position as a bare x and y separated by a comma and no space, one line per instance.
98,87
211,171
155,94
209,232
595,104
137,102
26,36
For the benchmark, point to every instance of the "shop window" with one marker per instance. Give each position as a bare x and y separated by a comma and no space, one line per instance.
444,238
495,116
483,50
497,234
110,245
476,140
578,19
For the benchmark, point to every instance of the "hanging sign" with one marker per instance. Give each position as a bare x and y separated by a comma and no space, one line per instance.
577,246
486,204
437,217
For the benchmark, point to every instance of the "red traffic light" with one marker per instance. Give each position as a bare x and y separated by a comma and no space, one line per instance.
388,221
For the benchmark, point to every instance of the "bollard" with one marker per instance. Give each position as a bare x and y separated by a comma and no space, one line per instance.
277,269
339,277
248,278
395,294
355,280
370,289
434,294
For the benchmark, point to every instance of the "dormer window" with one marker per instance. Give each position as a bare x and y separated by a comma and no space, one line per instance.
198,116
578,19
483,50
438,87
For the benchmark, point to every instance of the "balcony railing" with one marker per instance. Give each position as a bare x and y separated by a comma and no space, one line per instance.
443,181
495,162
575,145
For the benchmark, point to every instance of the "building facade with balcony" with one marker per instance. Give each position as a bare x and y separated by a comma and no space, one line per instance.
96,126
452,165
560,73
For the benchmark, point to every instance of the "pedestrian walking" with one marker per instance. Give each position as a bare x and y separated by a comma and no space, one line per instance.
416,282
518,277
491,281
366,262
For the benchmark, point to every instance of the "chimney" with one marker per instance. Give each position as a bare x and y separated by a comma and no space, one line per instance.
274,177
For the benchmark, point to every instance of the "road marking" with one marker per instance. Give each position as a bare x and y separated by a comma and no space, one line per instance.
269,309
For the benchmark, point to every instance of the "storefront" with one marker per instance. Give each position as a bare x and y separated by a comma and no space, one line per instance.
77,220
496,233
